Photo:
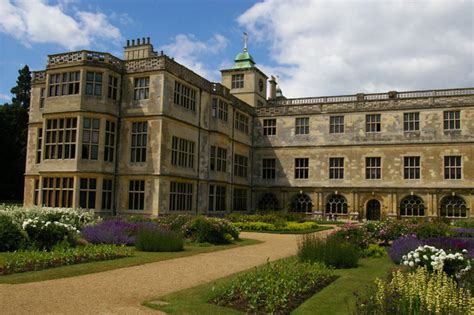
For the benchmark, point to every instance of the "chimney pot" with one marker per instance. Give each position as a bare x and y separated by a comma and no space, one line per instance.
133,42
148,40
128,42
143,41
138,41
161,53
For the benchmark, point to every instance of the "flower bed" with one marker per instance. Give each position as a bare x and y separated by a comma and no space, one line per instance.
418,292
43,228
115,231
276,287
23,261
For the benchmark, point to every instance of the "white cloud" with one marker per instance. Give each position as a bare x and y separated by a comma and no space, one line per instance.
36,21
188,50
5,97
340,47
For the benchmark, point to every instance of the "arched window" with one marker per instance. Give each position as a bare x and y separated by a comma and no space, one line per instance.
268,202
453,207
412,206
336,204
301,203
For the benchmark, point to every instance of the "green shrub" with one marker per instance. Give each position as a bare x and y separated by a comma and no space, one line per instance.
175,221
417,292
465,223
374,250
297,226
23,261
211,230
255,226
158,240
275,288
354,234
43,235
332,251
11,237
427,229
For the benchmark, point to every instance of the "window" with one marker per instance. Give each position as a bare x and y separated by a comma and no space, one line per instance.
237,81
302,126
240,199
372,123
336,204
42,96
60,142
411,168
269,127
223,110
58,191
411,121
141,88
109,147
301,168
301,203
90,139
184,96
268,202
452,167
107,190
181,196
66,83
216,198
94,83
182,152
136,195
241,122
87,192
412,206
240,165
453,207
336,124
336,168
36,193
218,161
260,103
139,142
112,87
269,168
39,145
373,168
452,120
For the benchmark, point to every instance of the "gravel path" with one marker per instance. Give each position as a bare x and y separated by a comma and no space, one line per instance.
121,291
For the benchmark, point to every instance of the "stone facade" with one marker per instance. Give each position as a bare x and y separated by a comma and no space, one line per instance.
145,135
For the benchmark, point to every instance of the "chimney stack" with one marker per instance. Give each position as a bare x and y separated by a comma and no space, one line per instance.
273,86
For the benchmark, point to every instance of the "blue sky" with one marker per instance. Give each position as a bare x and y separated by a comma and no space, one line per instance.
315,47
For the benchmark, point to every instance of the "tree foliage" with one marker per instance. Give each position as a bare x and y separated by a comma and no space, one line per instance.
13,138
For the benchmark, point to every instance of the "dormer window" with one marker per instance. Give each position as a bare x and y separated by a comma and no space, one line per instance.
237,81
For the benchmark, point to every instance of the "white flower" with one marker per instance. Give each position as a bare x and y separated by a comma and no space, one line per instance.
416,255
464,250
417,260
425,257
411,264
405,262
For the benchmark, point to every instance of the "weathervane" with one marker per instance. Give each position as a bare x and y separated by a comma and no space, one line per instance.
246,38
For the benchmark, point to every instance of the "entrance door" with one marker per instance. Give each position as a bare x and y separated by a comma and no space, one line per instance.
373,210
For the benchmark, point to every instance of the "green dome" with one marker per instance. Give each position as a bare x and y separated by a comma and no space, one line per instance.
243,60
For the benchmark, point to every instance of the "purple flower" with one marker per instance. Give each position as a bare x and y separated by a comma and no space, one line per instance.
463,232
114,231
402,246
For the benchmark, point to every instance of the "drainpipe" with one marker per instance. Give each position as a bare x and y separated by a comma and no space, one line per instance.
117,148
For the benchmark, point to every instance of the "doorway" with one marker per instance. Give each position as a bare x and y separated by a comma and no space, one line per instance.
373,210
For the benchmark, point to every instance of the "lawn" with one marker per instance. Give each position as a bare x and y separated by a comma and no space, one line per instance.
139,258
337,298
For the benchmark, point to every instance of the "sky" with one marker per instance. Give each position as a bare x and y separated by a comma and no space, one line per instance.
315,47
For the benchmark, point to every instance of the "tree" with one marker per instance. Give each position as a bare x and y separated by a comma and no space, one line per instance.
22,90
13,139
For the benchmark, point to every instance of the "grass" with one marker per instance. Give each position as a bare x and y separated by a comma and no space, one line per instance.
139,258
337,298
318,229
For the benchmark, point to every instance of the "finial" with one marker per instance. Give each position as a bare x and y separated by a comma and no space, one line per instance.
246,38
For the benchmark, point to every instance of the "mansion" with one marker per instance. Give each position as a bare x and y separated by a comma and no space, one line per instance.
146,135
